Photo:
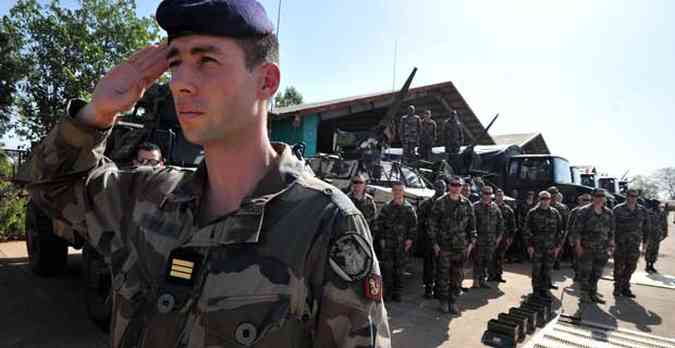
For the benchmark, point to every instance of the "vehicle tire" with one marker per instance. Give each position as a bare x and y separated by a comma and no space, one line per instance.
97,288
47,253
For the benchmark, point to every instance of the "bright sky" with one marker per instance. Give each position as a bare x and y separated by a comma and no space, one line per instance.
595,77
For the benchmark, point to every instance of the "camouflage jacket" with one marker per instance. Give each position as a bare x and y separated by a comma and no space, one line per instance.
631,226
294,266
655,230
366,205
454,133
573,217
397,222
410,128
564,214
543,228
509,220
595,231
489,223
424,214
452,223
521,211
663,223
428,132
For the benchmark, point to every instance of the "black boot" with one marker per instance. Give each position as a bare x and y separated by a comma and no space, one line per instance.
651,268
628,293
595,298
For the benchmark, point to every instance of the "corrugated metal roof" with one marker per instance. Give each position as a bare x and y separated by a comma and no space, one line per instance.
519,139
344,106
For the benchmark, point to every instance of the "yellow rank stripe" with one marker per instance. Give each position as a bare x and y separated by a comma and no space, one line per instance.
181,275
177,262
181,269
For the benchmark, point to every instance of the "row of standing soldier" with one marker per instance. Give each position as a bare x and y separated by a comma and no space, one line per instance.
453,228
423,133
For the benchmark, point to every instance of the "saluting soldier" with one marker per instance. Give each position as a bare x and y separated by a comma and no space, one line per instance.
258,254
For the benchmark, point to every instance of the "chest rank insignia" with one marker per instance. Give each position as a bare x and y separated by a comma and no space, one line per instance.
372,287
183,266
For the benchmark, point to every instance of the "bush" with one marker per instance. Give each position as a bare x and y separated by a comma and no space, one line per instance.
12,206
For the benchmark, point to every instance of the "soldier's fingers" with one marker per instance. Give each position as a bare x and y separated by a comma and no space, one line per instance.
139,54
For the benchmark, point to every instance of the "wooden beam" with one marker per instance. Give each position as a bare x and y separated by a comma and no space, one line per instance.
447,107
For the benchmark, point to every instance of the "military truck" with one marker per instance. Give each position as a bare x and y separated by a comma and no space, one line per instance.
47,240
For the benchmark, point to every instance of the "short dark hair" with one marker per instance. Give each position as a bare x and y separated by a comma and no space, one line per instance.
260,49
398,183
148,146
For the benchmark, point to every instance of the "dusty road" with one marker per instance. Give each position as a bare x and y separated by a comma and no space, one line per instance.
50,312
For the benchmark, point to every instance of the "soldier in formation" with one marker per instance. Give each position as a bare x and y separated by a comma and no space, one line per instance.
490,230
423,216
504,243
659,232
428,136
556,202
411,125
518,251
582,200
452,230
454,137
245,249
593,239
396,230
361,199
542,231
632,223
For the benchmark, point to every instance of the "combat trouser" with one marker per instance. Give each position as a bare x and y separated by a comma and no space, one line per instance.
430,260
626,257
425,151
483,261
392,265
498,260
652,252
408,152
542,261
591,264
449,274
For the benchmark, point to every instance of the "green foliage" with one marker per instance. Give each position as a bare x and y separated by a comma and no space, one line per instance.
290,96
12,205
665,179
646,185
63,52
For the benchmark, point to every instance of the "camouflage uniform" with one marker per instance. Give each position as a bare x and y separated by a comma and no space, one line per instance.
452,226
294,266
659,231
570,227
366,205
410,136
423,216
518,249
509,217
489,227
542,231
427,138
564,215
631,227
454,136
595,232
395,224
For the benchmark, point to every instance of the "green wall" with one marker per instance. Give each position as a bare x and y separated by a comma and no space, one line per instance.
283,130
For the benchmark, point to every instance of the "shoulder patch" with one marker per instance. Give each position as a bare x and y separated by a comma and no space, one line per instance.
351,257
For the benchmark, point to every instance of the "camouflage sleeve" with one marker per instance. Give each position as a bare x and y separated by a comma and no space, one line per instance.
527,229
500,224
434,222
471,225
412,224
612,228
351,312
381,223
370,212
73,182
560,233
511,225
571,228
646,226
423,217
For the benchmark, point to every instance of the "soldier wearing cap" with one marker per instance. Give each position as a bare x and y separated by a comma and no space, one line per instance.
659,226
632,223
504,243
427,136
454,137
411,125
258,254
424,213
361,199
593,237
582,200
542,232
490,230
452,229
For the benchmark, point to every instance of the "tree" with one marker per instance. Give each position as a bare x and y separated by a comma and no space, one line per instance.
646,185
12,204
665,181
10,73
290,96
63,53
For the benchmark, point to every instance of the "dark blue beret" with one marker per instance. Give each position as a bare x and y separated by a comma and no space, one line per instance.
231,18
